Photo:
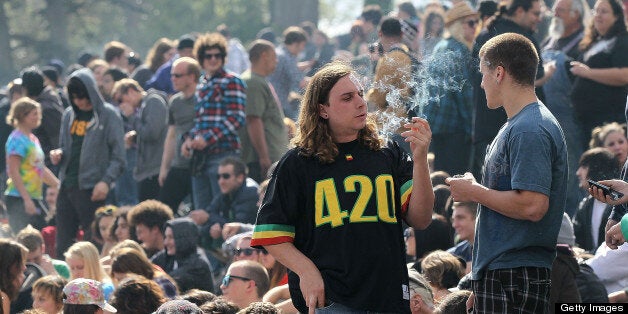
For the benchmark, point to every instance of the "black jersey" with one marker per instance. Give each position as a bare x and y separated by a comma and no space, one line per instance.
346,217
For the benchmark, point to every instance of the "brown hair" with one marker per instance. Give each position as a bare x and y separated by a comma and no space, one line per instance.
20,109
155,57
52,286
30,237
12,260
442,269
515,53
313,134
137,294
210,41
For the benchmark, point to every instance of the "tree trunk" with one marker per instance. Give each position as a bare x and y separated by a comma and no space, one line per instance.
7,71
57,47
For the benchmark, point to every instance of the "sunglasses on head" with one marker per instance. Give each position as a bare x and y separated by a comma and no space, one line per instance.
106,211
209,56
227,279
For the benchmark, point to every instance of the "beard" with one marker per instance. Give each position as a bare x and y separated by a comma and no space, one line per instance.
556,28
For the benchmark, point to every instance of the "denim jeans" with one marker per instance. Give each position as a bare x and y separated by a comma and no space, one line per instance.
126,188
205,185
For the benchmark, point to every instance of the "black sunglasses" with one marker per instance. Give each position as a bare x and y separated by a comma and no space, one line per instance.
225,176
178,75
227,279
472,23
209,56
248,251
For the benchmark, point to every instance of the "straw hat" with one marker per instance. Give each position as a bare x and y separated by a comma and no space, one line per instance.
459,11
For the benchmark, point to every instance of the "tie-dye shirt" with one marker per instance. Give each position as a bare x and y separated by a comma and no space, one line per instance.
32,166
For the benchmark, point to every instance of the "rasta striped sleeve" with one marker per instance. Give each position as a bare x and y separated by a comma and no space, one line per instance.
272,234
406,191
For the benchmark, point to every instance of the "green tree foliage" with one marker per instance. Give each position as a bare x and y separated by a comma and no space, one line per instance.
38,30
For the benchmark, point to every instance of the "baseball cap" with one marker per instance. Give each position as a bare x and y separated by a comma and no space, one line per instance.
86,291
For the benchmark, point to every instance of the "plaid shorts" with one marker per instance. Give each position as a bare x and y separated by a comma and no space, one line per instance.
513,290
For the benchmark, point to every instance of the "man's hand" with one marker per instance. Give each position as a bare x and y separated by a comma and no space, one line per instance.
462,187
46,264
470,302
186,148
614,235
199,143
55,156
617,185
313,289
230,229
199,216
129,138
215,231
419,135
101,189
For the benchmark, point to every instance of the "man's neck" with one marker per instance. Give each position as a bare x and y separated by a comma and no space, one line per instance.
571,30
517,99
189,92
257,69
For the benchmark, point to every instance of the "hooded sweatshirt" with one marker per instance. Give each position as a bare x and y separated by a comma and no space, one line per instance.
189,266
102,156
51,111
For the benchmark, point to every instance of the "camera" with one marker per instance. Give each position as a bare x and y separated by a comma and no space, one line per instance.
376,46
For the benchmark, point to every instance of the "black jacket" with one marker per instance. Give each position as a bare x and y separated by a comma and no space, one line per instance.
189,266
582,225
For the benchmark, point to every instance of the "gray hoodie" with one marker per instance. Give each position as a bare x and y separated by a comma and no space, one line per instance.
102,154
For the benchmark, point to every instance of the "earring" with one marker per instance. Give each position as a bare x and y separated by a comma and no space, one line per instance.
324,115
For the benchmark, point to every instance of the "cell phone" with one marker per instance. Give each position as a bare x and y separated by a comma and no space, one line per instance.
606,190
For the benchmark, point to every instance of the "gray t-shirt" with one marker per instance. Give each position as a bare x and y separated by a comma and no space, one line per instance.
261,103
528,153
181,116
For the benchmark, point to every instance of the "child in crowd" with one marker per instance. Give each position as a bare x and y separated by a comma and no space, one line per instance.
48,294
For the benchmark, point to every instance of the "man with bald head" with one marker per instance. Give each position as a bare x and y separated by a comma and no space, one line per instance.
264,140
174,174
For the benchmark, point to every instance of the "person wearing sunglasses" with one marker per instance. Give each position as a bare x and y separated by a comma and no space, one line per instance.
245,282
91,157
236,202
221,97
451,106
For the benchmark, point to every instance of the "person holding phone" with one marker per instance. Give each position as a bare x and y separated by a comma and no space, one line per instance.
25,167
617,224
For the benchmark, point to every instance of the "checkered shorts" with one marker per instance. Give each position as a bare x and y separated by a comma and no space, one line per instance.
513,290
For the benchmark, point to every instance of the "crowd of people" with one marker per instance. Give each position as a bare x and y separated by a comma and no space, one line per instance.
337,174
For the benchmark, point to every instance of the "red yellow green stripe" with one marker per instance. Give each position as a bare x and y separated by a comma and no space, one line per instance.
405,191
272,234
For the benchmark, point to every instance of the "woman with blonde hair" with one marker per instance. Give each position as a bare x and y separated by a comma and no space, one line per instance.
611,136
83,260
25,167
